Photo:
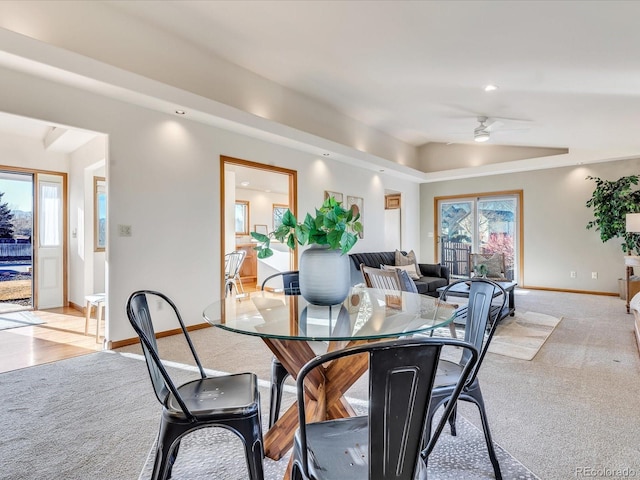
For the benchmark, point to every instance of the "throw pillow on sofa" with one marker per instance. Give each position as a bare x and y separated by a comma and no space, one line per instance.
408,259
406,284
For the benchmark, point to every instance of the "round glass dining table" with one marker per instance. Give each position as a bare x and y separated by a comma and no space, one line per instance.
293,328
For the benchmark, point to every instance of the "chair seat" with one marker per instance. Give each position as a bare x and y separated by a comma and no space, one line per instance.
340,449
447,374
212,397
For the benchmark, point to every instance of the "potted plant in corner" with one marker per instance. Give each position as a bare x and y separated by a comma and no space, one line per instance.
324,268
611,201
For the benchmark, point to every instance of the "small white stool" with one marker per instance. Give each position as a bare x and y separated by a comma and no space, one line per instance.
96,300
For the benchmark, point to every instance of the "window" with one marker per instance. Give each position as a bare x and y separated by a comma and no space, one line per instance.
278,212
242,217
51,214
99,214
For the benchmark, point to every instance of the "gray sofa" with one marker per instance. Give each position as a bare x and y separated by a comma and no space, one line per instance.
433,275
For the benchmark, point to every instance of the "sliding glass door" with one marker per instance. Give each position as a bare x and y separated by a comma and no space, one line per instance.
479,224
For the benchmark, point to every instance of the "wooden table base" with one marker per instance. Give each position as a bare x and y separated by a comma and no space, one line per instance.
325,388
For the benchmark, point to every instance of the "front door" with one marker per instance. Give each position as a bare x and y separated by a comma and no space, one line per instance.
50,241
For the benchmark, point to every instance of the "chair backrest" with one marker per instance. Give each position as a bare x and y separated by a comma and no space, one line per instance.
378,278
388,279
494,262
401,378
486,307
290,282
139,315
233,263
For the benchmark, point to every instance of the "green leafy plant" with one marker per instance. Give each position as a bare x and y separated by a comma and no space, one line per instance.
332,225
611,201
481,270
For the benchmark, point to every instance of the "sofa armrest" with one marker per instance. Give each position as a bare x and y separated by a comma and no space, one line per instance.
434,270
445,272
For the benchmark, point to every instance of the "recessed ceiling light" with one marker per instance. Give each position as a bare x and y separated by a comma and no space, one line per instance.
490,88
244,184
180,112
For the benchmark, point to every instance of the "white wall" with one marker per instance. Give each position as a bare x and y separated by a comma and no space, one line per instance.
393,227
163,180
86,266
556,240
230,212
25,152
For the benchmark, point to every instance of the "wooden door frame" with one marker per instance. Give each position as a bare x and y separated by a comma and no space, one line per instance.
516,193
293,201
34,172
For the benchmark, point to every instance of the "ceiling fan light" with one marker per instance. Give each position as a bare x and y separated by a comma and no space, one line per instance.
481,136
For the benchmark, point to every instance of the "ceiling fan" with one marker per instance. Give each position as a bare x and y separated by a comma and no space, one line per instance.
488,125
481,132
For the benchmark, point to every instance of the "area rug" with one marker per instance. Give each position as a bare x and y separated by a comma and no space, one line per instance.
217,453
18,319
522,335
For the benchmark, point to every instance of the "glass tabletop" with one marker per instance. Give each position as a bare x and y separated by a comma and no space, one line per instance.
367,313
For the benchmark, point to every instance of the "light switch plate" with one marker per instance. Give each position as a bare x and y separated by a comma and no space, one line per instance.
124,230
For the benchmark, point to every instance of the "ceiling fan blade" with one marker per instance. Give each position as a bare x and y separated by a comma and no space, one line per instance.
509,130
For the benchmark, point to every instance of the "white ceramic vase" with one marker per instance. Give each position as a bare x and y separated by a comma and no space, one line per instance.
324,275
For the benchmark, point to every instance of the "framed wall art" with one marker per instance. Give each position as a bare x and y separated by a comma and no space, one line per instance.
356,206
336,195
260,229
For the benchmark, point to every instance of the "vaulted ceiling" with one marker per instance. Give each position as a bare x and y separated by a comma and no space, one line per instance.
414,71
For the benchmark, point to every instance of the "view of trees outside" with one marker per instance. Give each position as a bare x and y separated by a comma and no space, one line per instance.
457,222
497,229
495,226
6,219
16,227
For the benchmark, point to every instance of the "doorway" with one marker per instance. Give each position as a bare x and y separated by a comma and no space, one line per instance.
59,163
480,223
32,239
253,196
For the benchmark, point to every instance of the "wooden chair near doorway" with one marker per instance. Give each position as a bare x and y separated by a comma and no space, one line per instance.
397,280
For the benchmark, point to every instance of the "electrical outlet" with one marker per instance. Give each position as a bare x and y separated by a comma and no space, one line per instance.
594,275
124,230
574,274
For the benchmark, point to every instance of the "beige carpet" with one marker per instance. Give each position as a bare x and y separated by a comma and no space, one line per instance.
522,335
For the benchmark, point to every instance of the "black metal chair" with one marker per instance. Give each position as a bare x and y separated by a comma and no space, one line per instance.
230,401
386,443
482,317
290,286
